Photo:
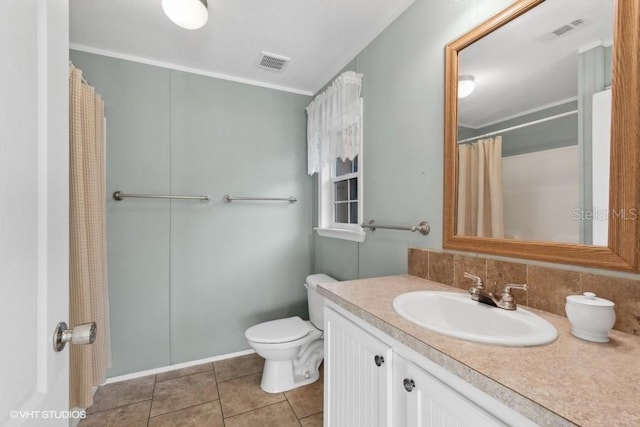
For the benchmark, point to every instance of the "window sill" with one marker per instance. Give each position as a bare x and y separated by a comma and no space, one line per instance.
340,233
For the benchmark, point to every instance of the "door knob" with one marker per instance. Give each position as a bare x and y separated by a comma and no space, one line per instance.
81,334
409,384
379,360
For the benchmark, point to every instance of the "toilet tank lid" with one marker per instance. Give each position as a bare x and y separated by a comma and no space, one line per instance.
278,331
316,279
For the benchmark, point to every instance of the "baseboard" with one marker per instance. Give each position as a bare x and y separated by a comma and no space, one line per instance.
176,366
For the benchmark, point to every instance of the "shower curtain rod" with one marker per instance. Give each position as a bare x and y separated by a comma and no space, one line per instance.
523,125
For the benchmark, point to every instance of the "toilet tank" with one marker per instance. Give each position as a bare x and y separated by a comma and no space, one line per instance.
315,300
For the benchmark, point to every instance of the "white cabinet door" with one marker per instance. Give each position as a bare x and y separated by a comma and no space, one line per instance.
423,401
357,374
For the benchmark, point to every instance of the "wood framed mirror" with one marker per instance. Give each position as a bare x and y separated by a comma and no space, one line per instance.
619,248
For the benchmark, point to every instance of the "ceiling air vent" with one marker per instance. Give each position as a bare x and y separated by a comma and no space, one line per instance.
561,31
564,29
270,61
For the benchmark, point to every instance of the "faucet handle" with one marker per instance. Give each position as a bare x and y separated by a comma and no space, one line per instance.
506,299
477,281
477,287
510,286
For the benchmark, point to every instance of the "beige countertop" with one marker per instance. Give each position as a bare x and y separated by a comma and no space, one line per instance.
567,382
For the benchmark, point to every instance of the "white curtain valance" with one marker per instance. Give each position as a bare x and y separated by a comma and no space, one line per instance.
334,122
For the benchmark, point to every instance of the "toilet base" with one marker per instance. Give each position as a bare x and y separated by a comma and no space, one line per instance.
278,376
290,364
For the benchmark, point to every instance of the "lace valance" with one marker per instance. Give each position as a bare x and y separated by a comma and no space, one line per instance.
334,122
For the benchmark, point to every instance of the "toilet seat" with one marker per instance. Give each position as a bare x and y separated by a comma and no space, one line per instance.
278,331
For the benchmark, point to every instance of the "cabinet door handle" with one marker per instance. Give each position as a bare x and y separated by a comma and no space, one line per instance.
379,360
409,384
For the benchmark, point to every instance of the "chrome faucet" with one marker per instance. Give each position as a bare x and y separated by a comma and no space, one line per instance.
479,293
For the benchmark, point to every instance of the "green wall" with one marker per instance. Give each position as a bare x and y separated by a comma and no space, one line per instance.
187,278
403,90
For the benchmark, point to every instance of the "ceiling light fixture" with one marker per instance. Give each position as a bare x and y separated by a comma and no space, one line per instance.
466,85
188,14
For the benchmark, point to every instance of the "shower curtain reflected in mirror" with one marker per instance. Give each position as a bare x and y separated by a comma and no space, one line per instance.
89,300
480,205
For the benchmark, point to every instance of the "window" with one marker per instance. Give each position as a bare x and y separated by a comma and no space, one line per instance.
345,192
340,197
334,142
340,200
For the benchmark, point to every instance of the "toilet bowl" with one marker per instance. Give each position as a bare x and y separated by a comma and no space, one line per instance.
293,349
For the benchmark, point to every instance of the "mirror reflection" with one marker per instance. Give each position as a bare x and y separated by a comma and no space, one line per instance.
534,113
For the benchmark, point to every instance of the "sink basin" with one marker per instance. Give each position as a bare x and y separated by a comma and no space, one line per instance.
457,315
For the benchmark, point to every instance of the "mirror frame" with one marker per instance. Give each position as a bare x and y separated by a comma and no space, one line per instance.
624,193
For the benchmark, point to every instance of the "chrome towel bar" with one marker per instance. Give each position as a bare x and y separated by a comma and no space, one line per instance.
119,196
227,198
423,227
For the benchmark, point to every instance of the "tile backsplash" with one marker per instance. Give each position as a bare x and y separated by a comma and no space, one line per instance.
548,287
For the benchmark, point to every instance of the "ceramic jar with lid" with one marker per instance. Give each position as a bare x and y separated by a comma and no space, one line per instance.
591,317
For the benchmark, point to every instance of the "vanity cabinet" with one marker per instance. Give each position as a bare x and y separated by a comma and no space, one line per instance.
373,380
357,375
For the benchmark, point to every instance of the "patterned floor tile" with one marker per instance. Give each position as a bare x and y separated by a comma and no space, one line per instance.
244,394
176,373
122,393
238,367
134,415
191,397
307,400
180,393
208,414
276,415
312,421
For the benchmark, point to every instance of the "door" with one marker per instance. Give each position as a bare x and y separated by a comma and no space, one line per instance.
357,375
34,218
423,401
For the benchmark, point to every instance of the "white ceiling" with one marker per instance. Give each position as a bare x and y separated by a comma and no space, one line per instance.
320,36
516,73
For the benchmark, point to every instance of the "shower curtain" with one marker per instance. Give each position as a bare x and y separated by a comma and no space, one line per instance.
88,260
480,189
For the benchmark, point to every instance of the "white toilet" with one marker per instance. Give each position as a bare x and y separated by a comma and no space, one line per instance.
293,349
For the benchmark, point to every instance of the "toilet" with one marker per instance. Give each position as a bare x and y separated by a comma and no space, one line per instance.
292,348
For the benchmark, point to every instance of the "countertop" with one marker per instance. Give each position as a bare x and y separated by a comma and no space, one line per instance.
567,382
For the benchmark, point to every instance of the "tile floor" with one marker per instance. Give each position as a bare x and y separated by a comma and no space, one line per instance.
225,393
